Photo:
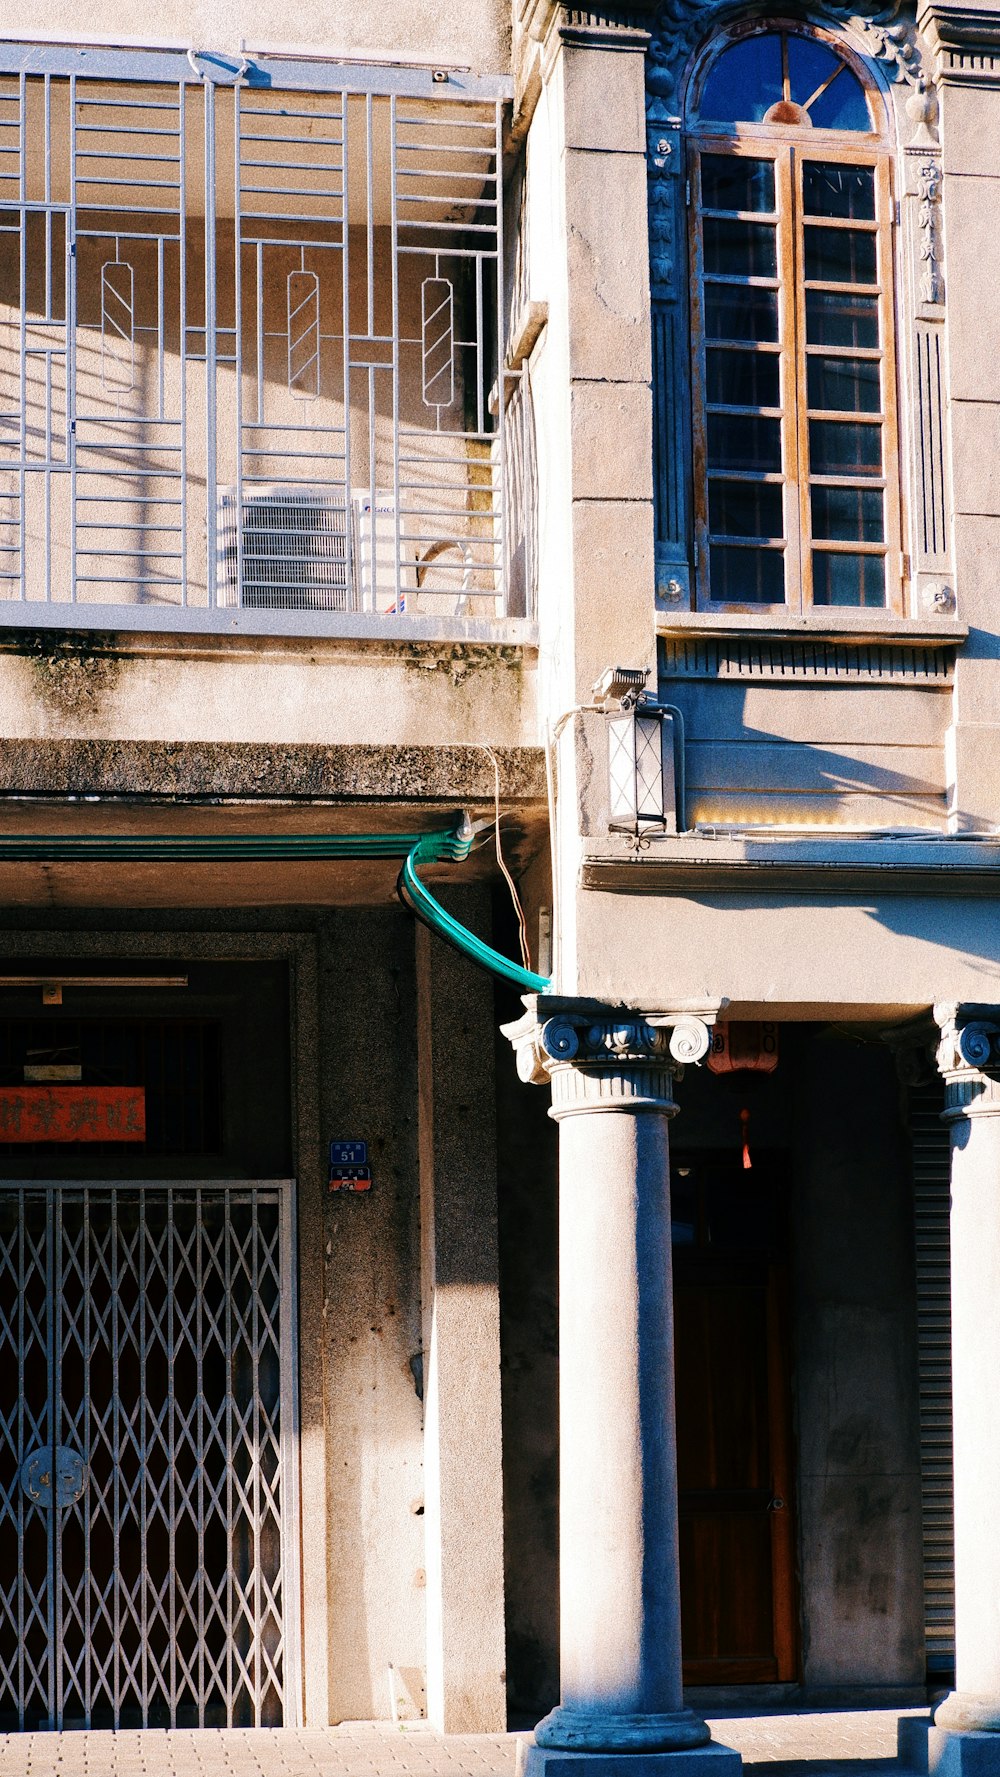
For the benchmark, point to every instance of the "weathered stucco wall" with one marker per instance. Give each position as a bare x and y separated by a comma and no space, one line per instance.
477,34
249,689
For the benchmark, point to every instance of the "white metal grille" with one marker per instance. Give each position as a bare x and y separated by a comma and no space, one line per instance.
237,278
145,1355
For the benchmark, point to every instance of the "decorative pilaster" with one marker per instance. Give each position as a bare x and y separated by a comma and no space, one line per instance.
967,1723
611,1072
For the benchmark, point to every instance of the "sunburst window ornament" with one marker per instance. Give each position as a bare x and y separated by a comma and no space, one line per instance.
779,77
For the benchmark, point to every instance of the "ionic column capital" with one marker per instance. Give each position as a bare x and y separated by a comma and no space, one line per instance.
968,1057
607,1058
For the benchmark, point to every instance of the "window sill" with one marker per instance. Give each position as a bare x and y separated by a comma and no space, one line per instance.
843,626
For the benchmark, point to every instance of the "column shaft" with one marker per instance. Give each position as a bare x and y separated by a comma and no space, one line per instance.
618,1514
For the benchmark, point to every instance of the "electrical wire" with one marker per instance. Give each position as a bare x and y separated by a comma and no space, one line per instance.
522,927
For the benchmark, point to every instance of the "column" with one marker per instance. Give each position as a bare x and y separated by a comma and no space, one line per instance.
967,1723
611,1073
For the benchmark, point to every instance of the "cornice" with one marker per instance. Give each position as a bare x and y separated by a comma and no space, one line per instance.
538,17
790,867
963,41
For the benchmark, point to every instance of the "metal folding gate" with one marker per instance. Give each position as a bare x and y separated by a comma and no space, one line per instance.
147,1479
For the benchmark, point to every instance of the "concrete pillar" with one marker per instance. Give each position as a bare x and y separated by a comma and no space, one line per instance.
611,1075
463,1483
966,1734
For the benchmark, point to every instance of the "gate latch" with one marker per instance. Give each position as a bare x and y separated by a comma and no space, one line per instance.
65,1466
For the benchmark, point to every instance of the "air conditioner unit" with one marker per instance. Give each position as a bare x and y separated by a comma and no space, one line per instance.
375,554
294,554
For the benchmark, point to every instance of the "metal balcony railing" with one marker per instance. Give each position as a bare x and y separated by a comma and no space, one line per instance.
250,358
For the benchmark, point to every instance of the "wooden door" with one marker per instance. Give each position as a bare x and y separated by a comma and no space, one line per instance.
733,1434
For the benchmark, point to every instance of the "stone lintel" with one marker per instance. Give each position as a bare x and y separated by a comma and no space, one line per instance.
710,1760
306,771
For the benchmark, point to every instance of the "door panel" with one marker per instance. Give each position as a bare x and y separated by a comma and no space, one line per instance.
737,1572
153,1423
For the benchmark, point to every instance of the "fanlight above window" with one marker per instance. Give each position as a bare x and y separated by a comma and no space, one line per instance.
779,77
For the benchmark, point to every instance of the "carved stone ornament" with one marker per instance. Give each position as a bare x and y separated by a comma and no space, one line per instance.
968,1056
599,1057
929,200
888,34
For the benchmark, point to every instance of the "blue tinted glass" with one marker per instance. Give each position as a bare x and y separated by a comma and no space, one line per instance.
747,576
848,579
810,65
843,106
745,80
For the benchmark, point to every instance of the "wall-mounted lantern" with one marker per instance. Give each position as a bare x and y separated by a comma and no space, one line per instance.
642,755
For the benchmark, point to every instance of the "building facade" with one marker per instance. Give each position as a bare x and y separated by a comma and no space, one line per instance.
436,454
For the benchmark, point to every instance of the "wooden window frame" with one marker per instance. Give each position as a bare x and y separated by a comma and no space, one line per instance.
788,147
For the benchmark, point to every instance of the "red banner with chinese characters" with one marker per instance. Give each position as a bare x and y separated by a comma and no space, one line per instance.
72,1113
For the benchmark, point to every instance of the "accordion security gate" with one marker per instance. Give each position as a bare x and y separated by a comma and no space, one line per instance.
147,1464
249,338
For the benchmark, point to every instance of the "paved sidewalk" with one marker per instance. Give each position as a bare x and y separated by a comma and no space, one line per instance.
852,1743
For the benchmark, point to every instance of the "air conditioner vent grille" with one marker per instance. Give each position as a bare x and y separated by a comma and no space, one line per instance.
295,554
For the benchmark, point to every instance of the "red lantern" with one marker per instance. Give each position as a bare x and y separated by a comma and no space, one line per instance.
739,1047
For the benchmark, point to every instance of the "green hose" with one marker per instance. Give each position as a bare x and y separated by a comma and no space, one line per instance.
415,895
451,844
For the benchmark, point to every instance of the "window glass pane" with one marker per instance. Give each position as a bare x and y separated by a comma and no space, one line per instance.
839,447
745,509
743,311
829,189
848,514
743,379
810,64
747,576
728,182
843,106
838,255
737,441
834,319
745,80
848,579
744,248
844,385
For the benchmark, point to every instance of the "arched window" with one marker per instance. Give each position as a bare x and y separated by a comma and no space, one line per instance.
796,479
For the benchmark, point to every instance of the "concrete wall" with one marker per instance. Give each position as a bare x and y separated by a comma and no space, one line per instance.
479,33
372,1315
411,1337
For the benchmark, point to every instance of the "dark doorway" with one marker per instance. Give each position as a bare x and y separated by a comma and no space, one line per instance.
732,1361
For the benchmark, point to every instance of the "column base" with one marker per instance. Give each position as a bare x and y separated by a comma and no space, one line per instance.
568,1729
931,1751
708,1760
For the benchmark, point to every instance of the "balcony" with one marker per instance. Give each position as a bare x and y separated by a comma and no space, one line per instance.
250,366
